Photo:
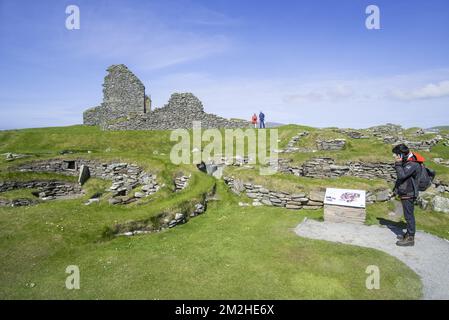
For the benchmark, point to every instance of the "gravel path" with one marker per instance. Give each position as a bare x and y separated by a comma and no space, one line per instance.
429,258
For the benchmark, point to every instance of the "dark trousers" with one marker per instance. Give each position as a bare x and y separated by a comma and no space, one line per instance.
408,206
261,124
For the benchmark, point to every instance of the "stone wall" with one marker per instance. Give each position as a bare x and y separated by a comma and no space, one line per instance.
181,182
123,96
20,202
387,129
331,145
180,112
441,186
126,107
94,116
123,92
46,190
327,168
312,200
125,177
164,221
293,142
353,134
424,145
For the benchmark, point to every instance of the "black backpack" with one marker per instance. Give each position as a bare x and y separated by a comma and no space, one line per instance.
426,178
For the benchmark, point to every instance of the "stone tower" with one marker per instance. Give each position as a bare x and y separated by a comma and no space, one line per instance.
126,107
123,92
123,96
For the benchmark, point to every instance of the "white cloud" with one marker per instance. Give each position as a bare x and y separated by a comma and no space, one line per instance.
142,39
334,93
350,101
429,91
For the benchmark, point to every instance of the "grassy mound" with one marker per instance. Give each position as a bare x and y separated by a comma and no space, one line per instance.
230,252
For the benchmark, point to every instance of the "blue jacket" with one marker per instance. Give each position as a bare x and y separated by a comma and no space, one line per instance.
261,116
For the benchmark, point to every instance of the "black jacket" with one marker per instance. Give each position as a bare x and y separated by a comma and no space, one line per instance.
407,180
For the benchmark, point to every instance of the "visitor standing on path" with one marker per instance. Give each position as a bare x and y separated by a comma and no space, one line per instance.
254,120
408,170
261,120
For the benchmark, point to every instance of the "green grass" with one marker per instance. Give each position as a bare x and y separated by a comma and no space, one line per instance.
293,184
355,150
15,194
435,223
369,150
227,253
230,252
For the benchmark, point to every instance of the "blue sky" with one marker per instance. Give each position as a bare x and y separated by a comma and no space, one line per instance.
308,62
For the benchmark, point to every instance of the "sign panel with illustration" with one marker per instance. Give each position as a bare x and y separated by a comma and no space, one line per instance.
345,197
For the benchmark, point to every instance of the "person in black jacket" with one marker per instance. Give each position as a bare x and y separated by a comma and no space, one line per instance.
408,170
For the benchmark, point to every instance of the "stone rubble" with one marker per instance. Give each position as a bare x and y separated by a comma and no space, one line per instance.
311,201
331,145
181,182
13,156
123,96
125,177
324,167
19,202
424,145
46,190
165,221
440,204
126,107
441,161
353,134
293,142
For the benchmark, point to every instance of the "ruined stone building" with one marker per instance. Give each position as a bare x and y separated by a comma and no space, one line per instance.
126,107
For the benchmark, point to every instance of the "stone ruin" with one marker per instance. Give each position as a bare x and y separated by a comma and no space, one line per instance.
331,145
46,190
387,129
353,134
123,95
125,177
423,145
312,200
293,141
126,107
328,168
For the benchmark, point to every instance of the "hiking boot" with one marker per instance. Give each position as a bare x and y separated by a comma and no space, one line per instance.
408,241
403,236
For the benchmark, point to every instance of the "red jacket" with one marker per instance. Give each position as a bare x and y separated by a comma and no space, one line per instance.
254,119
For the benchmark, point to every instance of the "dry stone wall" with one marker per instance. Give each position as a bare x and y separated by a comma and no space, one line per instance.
424,145
291,145
20,202
181,182
123,95
180,113
327,168
125,177
295,201
331,145
46,190
353,134
126,107
165,221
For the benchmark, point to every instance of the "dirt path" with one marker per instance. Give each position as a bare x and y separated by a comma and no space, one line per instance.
429,258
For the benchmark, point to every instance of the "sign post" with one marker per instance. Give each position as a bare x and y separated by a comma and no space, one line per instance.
345,205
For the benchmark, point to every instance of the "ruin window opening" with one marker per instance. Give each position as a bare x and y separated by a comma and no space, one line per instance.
70,165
